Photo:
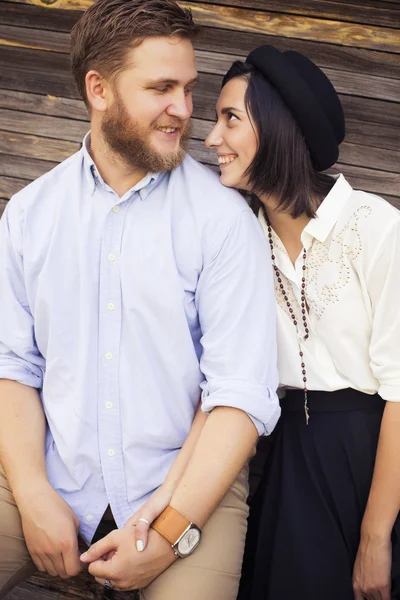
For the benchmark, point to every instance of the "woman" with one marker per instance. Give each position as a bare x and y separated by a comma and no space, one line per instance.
324,523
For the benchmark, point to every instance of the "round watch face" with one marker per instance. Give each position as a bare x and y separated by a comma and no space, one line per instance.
189,541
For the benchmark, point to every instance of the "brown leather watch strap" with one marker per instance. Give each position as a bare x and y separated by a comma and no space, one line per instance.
170,524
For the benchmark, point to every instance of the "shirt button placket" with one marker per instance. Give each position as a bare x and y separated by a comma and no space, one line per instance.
109,340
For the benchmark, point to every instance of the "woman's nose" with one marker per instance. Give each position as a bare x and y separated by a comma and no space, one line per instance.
213,138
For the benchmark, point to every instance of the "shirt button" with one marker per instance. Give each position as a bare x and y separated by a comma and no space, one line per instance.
95,173
110,306
111,452
111,257
109,356
116,208
144,193
108,404
89,518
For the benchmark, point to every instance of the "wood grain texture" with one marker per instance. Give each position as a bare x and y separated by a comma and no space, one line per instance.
379,13
370,180
25,15
287,25
48,127
44,104
332,31
44,148
363,61
24,168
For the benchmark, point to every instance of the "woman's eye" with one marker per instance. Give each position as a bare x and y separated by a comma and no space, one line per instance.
232,117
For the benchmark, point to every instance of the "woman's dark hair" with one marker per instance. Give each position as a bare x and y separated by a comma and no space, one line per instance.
282,165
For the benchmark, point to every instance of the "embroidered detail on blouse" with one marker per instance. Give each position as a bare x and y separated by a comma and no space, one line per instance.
328,267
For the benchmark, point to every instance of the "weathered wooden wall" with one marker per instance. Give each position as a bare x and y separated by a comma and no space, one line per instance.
42,120
356,42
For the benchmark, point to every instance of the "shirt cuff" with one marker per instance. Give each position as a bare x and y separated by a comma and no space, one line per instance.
20,374
259,402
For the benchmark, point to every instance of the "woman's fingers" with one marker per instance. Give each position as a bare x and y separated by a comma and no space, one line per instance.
141,532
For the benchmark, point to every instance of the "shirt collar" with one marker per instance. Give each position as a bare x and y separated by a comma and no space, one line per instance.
94,177
329,210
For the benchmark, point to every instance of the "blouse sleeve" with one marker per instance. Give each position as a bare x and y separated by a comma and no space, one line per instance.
383,284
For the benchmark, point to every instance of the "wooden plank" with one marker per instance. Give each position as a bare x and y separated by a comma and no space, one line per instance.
36,39
3,202
373,111
374,158
10,186
36,71
47,127
44,105
22,167
377,135
324,55
22,144
306,28
24,15
384,15
333,31
370,180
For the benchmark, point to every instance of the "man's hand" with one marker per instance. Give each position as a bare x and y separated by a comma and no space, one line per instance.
372,569
116,558
51,532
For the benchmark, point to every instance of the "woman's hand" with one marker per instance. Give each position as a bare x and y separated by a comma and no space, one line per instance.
143,518
371,575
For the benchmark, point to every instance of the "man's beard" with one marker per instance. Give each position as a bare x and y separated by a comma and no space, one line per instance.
131,142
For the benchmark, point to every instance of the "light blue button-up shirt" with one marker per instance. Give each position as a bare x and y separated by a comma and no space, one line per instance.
122,311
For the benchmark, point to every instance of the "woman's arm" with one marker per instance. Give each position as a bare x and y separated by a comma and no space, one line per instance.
162,497
372,570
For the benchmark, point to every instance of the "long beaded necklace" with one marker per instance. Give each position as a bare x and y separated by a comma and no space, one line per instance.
292,314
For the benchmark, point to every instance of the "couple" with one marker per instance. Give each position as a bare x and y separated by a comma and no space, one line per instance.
132,283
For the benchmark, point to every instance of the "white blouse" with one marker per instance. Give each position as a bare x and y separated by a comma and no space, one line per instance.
353,294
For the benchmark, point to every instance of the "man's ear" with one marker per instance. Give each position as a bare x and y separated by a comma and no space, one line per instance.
97,91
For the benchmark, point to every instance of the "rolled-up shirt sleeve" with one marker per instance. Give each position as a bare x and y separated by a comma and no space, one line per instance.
383,283
236,306
20,359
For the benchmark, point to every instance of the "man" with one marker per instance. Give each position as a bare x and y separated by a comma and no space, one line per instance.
131,281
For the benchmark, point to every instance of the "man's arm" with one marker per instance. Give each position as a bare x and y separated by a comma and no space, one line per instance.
49,525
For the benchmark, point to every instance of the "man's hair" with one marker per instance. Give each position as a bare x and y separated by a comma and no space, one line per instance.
105,33
282,165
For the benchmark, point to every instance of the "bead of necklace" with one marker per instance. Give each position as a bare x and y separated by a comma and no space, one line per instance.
292,313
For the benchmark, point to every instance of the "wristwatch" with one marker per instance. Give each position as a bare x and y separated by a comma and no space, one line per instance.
183,535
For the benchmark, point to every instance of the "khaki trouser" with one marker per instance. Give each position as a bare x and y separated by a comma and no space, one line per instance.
212,572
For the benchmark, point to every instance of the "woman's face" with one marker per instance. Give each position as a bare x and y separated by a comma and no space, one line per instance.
233,136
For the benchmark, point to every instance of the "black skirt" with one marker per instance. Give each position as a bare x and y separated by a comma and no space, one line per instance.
305,518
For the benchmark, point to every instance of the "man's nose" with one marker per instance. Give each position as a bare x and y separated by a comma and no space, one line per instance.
181,107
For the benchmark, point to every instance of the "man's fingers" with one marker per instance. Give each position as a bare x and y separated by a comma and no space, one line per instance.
101,569
99,549
38,563
72,563
49,566
141,534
